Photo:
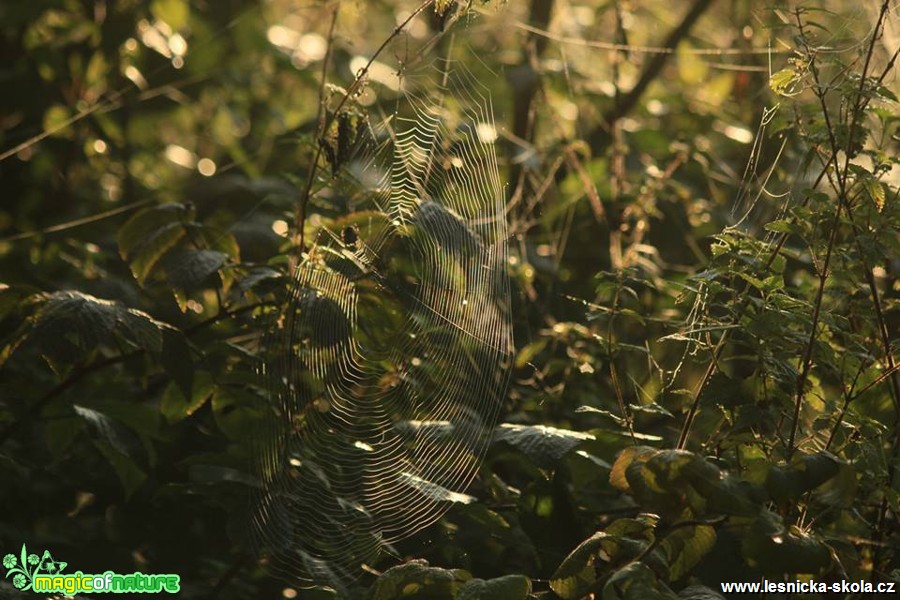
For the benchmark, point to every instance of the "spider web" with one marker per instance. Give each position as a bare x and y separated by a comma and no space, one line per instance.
388,366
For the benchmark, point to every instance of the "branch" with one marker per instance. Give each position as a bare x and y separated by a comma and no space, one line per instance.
599,138
85,370
525,83
321,128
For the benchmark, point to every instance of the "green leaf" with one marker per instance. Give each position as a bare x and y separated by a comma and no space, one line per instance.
670,482
723,390
154,248
67,325
175,405
669,468
617,419
543,445
805,472
176,359
769,284
782,81
886,93
776,549
841,489
149,235
623,540
145,223
576,574
800,552
729,496
108,430
96,74
876,192
417,580
130,475
651,408
527,354
140,422
629,455
190,269
237,411
434,492
685,547
60,430
260,277
660,485
636,581
218,240
509,587
781,226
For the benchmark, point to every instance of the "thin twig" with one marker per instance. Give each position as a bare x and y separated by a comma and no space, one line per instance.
320,129
77,222
599,138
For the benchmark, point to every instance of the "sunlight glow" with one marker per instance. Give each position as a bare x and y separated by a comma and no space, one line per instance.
133,74
378,71
283,37
280,227
206,167
737,133
181,156
487,133
302,48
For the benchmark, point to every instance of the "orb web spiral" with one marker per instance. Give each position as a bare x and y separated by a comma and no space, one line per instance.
388,365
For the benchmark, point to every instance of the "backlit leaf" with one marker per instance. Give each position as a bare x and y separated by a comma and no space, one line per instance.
542,444
876,192
630,454
416,579
575,575
685,547
782,82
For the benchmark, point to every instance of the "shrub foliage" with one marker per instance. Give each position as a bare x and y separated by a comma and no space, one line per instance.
704,265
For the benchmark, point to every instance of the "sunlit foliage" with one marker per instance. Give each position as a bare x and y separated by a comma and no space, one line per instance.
702,204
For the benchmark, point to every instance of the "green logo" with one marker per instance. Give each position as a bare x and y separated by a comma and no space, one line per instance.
44,574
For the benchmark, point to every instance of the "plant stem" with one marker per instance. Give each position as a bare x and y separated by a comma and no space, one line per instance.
321,128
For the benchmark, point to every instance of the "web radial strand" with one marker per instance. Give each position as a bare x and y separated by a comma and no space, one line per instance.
388,366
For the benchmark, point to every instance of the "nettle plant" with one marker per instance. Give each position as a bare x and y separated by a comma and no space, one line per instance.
786,462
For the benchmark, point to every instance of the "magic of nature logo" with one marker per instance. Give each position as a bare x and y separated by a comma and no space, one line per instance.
44,574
